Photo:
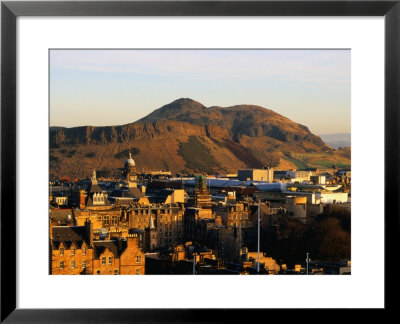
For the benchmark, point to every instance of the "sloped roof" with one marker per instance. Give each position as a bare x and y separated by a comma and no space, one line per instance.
132,192
60,214
68,235
94,188
113,246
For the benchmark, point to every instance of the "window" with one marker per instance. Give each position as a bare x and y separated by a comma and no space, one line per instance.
115,271
110,260
99,218
98,272
138,258
61,251
73,251
84,265
84,250
138,271
73,264
103,260
61,264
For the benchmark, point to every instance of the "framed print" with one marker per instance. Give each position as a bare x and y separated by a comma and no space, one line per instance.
187,140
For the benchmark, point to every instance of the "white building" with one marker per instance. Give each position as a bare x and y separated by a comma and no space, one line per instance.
333,197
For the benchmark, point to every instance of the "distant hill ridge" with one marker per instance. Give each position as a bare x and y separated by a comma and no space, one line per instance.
232,137
337,140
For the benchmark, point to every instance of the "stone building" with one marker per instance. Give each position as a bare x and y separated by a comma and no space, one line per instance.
102,214
227,241
256,174
167,221
127,191
297,208
202,195
73,251
234,215
96,199
118,256
61,217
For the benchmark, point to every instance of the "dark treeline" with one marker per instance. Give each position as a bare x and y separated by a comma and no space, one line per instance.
326,238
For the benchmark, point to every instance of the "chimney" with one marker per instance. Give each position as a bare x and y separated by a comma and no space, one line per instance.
131,241
89,231
82,199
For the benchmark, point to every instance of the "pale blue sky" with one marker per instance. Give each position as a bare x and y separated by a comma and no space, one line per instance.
114,87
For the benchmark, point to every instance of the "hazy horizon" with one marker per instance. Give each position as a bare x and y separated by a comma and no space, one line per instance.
116,87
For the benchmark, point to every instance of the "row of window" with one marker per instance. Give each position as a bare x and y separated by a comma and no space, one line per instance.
73,251
110,259
73,264
152,211
99,218
84,265
104,260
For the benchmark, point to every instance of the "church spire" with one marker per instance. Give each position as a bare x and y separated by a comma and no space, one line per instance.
94,180
151,222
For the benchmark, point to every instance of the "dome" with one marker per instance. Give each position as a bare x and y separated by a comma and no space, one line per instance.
130,162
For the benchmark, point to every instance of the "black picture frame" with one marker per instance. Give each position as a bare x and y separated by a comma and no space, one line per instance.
10,10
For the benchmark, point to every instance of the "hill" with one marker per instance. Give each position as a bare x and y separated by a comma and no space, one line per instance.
185,136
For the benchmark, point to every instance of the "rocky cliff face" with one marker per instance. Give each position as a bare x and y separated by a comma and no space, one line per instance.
179,135
131,132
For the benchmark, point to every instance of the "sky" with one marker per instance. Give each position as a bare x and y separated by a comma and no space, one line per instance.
116,87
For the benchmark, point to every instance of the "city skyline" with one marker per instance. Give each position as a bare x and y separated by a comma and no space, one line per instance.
115,87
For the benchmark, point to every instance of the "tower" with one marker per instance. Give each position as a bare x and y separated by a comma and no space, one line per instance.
96,196
151,235
202,196
130,172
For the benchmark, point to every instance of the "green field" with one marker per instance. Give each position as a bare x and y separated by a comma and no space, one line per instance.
299,164
313,160
329,164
